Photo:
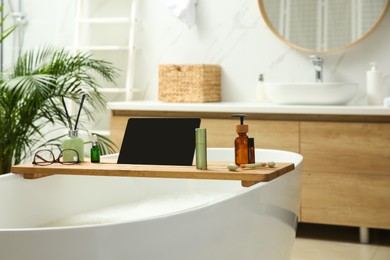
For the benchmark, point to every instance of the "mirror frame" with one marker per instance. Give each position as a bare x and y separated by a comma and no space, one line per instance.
297,47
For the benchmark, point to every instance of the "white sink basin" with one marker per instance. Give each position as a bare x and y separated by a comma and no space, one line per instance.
305,93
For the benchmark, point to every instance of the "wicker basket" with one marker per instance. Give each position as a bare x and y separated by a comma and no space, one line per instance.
189,83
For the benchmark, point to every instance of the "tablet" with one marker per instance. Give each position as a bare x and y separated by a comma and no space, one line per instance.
160,141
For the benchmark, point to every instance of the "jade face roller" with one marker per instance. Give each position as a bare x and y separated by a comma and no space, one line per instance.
234,167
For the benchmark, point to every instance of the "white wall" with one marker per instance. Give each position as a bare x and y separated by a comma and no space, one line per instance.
231,33
48,22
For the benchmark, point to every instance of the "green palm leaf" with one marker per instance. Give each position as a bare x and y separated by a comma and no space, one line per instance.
5,32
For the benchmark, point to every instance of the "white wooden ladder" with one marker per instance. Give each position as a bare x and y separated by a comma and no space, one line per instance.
93,13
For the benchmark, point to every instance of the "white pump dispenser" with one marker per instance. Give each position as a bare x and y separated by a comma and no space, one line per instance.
374,86
260,93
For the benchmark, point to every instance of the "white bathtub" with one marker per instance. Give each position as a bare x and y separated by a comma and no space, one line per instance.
175,219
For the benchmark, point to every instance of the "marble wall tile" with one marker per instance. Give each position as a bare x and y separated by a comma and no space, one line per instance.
231,33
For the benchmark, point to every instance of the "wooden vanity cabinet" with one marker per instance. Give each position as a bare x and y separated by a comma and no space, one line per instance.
118,125
281,135
346,177
346,167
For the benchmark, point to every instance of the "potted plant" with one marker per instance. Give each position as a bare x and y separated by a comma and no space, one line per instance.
30,99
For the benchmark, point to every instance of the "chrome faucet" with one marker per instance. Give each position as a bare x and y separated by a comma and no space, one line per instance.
318,63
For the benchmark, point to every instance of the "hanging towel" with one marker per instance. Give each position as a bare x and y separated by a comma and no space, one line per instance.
185,10
386,102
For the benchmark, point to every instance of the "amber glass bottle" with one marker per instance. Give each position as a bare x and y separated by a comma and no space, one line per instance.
241,143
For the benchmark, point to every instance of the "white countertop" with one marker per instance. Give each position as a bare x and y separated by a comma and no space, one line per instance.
241,107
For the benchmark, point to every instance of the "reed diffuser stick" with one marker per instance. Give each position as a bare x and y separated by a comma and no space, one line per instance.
66,112
78,114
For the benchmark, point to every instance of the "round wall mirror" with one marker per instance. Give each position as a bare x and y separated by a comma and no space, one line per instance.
320,26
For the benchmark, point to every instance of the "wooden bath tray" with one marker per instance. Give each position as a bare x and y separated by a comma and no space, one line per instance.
108,167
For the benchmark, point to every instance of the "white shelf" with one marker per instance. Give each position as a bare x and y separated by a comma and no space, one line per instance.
110,20
117,90
112,90
102,48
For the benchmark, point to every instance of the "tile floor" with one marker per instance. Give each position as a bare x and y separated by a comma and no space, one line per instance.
323,242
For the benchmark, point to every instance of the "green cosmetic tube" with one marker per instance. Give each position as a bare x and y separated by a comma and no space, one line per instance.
201,148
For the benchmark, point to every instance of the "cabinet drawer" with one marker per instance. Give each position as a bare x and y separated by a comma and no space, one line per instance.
117,129
358,148
346,199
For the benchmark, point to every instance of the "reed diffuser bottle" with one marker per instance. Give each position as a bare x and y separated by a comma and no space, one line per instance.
241,143
73,141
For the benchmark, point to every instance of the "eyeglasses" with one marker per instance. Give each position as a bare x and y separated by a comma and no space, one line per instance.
46,157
